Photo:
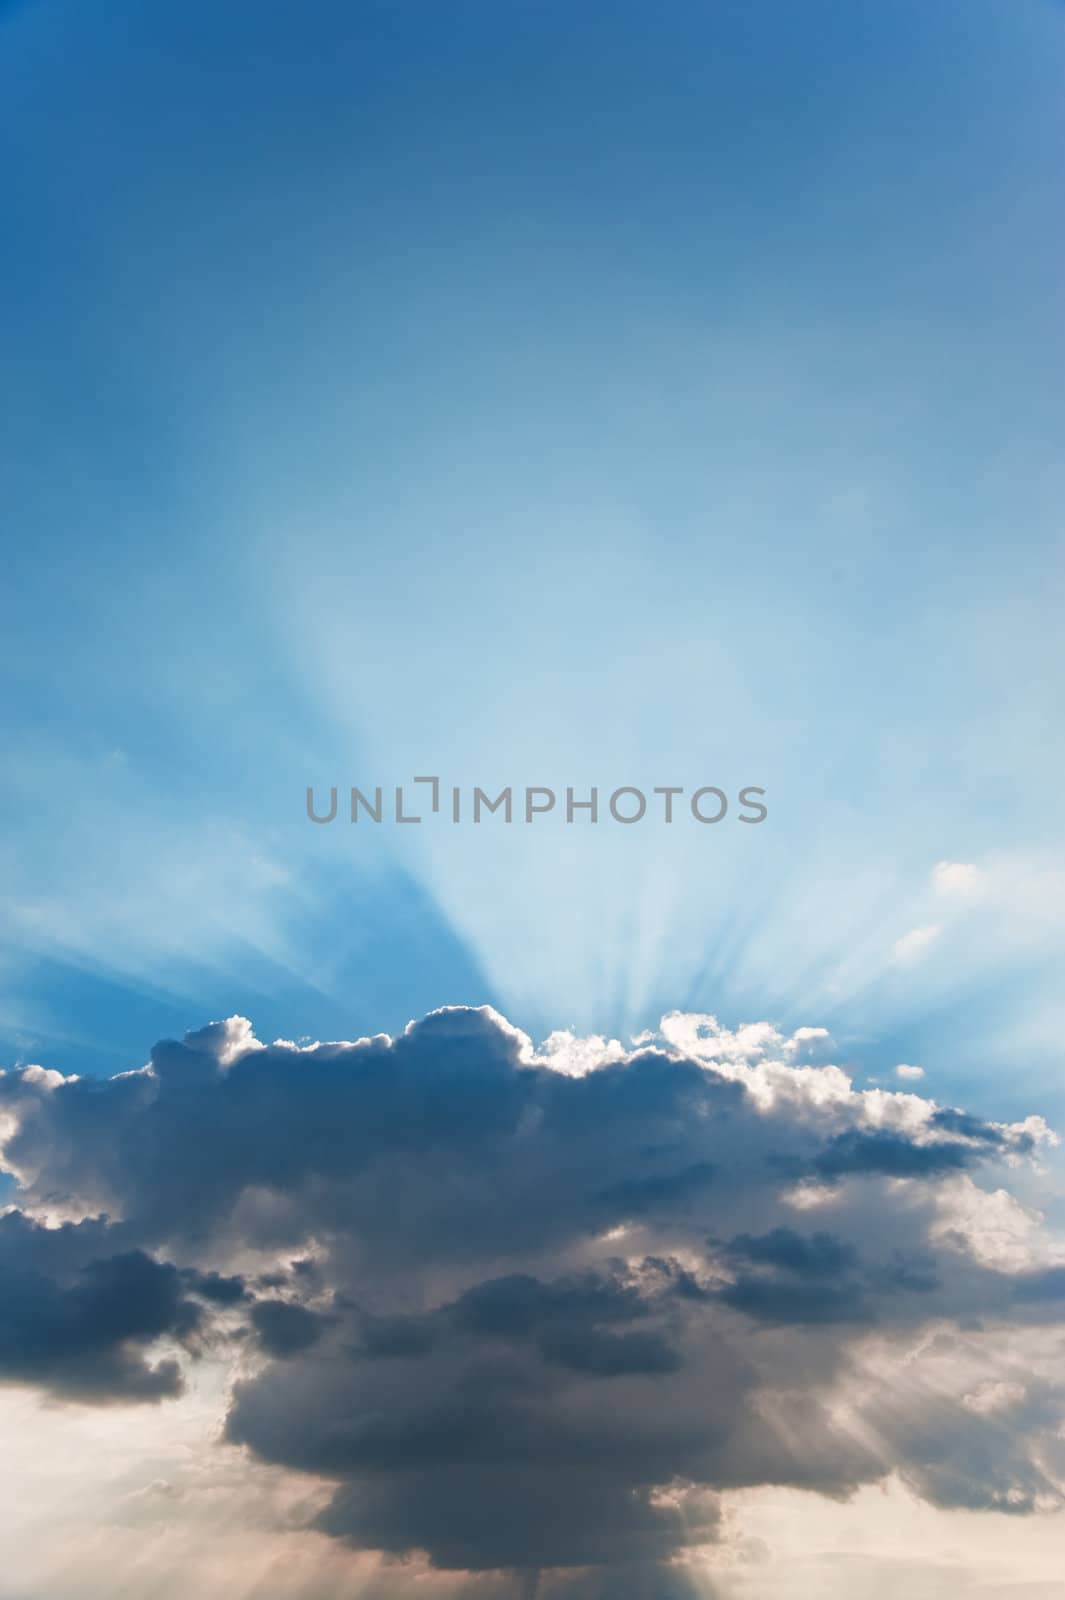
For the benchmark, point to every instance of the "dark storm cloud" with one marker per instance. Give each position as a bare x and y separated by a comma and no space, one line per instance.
950,1120
214,1286
786,1277
522,1319
578,1324
658,1191
284,1329
892,1155
816,1255
1045,1285
80,1324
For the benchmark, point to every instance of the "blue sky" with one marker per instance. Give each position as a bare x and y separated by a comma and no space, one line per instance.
534,394
566,394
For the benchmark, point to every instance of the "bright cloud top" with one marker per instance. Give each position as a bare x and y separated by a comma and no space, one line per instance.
535,1312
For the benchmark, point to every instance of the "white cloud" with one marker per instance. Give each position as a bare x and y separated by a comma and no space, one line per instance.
958,878
913,945
994,1395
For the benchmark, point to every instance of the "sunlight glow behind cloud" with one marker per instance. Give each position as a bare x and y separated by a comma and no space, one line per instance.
550,1314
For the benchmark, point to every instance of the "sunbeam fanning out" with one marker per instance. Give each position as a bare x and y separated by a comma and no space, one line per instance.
574,399
545,519
546,1321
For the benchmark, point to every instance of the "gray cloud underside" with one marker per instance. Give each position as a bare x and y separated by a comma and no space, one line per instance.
524,1320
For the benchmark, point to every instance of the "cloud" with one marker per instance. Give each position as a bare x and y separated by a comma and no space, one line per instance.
960,878
819,1255
890,1154
285,1329
913,945
904,1070
1012,898
79,1322
536,1312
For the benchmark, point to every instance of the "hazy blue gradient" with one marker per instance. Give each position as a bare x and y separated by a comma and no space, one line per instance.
534,393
